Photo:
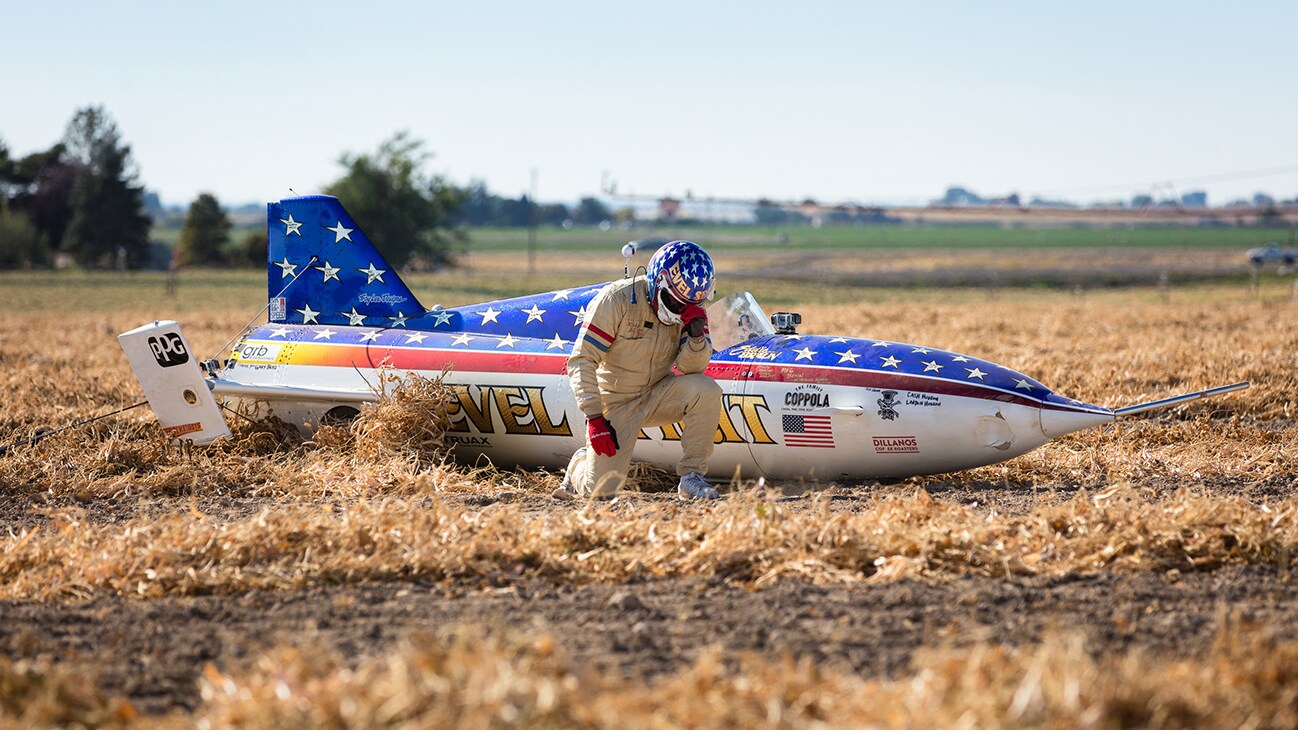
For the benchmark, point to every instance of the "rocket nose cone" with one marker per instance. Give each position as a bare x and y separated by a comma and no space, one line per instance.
1061,416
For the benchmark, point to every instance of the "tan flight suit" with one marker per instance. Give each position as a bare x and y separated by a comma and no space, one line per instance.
621,366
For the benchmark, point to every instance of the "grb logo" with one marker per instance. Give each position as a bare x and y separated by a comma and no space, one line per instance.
169,350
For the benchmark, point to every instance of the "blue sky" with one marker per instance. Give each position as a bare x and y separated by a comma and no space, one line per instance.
863,101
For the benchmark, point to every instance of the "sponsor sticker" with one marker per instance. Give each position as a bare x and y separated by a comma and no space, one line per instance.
895,444
258,353
381,299
183,429
169,350
806,398
757,352
888,405
278,309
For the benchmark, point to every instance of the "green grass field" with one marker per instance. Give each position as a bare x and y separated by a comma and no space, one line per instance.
877,237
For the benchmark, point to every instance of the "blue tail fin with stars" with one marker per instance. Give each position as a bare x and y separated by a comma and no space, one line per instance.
322,269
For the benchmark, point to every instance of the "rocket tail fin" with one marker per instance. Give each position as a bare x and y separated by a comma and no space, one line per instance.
323,269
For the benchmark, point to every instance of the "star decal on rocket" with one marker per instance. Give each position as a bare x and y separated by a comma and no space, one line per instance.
308,314
535,314
920,350
489,315
371,336
507,341
880,344
960,358
806,353
372,274
839,340
286,269
580,315
416,337
279,332
1022,383
291,226
441,318
324,334
340,233
974,372
890,362
558,343
399,320
561,294
330,272
461,340
354,318
848,356
932,366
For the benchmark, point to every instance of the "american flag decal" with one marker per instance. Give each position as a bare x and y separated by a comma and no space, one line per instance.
811,431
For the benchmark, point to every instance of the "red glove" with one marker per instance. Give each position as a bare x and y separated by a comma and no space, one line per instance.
695,320
602,437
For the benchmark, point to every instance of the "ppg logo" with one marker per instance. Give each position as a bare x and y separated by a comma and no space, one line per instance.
169,350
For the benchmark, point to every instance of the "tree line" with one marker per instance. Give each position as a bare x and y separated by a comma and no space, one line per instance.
82,199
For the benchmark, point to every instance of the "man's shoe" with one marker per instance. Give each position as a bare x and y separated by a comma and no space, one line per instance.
566,489
694,486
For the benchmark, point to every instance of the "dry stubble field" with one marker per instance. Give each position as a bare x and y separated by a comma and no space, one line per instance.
1136,575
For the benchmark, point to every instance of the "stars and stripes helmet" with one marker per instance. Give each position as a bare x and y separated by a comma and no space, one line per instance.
684,269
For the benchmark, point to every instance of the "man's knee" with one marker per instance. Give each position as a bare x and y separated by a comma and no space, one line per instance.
703,387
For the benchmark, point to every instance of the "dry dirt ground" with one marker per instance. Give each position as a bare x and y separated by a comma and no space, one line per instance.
154,651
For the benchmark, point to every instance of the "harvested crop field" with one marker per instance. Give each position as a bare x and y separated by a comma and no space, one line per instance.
1135,575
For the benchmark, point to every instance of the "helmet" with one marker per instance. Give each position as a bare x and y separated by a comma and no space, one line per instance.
684,269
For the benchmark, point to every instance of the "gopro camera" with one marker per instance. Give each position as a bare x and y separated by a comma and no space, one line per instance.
786,323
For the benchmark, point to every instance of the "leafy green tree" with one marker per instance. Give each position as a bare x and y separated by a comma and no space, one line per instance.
252,249
406,212
591,211
107,205
21,244
205,233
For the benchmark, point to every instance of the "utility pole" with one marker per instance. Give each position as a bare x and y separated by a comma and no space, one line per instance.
531,227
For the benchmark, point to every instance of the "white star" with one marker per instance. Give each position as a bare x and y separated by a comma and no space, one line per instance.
308,314
561,294
371,336
975,373
960,358
324,334
534,314
804,353
330,272
507,341
1022,383
557,343
879,344
580,314
372,274
489,315
461,340
354,318
399,320
839,340
933,366
416,337
291,226
441,318
279,332
846,357
920,350
340,233
890,362
286,269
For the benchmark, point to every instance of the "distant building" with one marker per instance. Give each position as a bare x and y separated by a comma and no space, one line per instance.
1195,199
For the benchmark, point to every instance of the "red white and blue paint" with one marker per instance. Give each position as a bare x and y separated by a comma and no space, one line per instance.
795,406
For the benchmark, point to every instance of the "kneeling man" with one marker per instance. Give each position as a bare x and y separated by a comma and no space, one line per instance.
621,371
